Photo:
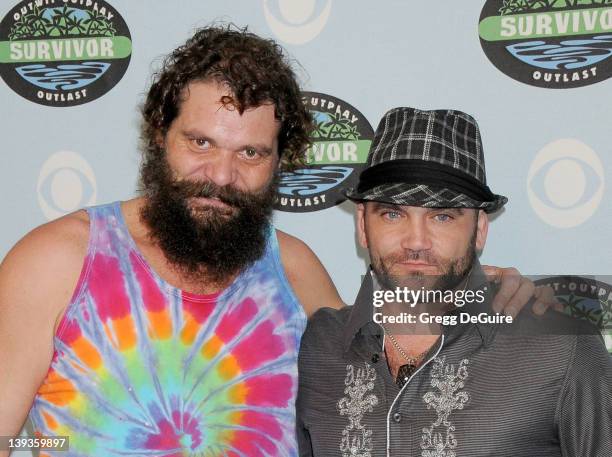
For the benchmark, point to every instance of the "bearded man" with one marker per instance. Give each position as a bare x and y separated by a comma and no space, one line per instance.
170,324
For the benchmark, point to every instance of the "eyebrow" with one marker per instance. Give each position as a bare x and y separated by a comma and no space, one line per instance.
378,206
458,211
261,148
382,205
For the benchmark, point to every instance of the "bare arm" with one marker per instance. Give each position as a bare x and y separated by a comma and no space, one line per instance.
37,279
308,277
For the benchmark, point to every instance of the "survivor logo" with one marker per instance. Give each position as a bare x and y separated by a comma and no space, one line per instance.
341,141
585,298
549,43
63,52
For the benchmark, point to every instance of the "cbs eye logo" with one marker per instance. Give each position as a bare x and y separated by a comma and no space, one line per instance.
66,183
565,183
293,22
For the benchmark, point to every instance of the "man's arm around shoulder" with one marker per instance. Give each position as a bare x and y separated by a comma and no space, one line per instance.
37,280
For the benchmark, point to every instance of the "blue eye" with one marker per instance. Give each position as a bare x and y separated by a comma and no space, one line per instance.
392,215
565,183
442,217
66,183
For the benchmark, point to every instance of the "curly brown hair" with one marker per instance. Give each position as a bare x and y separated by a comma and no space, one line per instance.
255,70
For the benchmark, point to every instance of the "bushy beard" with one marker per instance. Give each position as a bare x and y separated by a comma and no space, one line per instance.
207,243
452,271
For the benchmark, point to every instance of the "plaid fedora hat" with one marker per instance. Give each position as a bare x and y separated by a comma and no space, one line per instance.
427,158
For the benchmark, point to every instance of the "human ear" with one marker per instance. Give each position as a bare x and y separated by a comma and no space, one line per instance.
482,229
361,232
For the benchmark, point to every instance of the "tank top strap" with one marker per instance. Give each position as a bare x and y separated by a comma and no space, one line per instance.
109,234
274,255
272,260
104,225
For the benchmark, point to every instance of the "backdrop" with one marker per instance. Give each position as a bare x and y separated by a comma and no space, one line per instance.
533,73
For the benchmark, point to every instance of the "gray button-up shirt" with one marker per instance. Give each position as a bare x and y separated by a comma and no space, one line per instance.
486,390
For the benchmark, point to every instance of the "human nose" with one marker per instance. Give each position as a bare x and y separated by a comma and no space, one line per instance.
416,235
221,169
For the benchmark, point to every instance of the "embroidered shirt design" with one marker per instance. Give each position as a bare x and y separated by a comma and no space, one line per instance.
439,440
356,437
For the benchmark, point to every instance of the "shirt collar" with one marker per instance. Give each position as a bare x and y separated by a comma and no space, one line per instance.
362,310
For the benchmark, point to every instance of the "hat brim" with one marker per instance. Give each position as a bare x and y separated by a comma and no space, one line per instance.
425,196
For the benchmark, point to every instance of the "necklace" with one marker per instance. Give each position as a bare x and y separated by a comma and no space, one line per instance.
405,371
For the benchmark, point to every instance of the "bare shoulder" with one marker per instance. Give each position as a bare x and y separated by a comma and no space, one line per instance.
46,264
307,275
60,241
290,244
297,257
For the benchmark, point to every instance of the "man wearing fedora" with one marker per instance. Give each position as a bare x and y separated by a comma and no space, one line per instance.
436,377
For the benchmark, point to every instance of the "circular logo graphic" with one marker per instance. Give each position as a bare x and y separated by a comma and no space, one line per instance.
565,183
584,298
66,183
297,25
555,44
341,140
63,52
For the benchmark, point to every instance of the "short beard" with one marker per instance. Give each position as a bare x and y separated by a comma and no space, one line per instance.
454,271
211,244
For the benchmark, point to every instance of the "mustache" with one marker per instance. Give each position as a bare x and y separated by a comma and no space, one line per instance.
206,189
412,256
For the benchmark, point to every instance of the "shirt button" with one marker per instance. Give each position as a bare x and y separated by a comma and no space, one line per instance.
397,417
375,358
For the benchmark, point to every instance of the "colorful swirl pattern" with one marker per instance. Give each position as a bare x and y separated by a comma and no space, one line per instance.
141,368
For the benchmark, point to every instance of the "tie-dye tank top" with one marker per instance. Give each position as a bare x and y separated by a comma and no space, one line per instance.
142,368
